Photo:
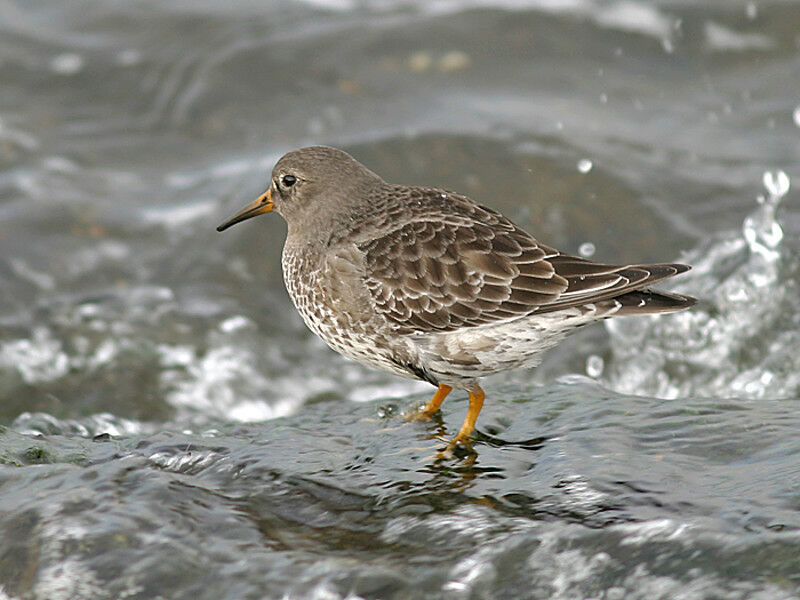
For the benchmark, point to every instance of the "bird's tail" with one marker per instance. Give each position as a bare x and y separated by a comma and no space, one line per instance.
642,302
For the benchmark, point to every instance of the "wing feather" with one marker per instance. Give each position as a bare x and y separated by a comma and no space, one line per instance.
459,264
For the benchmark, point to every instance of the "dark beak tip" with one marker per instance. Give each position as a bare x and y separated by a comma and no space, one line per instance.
223,226
259,206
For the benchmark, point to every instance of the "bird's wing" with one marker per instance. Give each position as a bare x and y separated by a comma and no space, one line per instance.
591,282
475,267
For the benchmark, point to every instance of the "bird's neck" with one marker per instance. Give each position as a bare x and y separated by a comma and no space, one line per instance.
337,219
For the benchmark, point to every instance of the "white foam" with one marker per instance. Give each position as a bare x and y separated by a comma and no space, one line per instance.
68,63
177,216
722,39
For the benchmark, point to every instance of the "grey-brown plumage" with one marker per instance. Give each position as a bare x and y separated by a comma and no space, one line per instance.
428,284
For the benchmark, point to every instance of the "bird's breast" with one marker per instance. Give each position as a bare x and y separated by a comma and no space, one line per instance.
301,275
329,294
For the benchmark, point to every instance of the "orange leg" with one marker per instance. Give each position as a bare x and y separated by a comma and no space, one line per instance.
476,397
432,406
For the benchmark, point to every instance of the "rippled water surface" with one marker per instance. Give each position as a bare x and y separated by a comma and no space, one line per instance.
168,428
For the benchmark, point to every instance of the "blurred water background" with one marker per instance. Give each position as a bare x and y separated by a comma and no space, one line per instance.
169,429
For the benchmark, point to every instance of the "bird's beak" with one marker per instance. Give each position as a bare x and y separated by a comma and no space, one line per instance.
262,204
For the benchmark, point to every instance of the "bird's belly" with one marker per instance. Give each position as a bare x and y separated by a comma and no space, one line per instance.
479,351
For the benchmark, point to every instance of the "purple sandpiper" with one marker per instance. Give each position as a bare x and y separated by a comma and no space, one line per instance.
427,284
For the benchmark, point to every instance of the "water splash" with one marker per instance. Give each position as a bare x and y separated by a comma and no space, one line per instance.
740,339
40,358
44,424
761,230
222,382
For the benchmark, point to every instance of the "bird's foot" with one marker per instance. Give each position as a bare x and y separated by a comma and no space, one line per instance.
432,407
420,415
461,439
459,447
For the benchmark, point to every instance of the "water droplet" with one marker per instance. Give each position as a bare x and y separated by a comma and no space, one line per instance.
420,62
584,165
594,366
454,61
797,116
604,98
587,249
129,57
751,10
68,63
777,183
387,411
235,323
59,164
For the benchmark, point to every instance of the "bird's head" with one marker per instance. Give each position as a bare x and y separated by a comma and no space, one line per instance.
311,184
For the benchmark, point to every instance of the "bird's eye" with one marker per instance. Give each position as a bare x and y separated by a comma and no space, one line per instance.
288,180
